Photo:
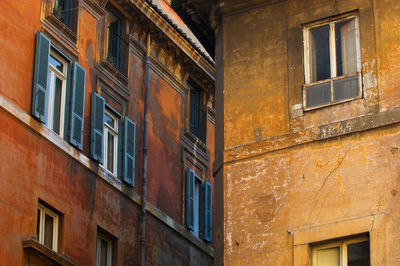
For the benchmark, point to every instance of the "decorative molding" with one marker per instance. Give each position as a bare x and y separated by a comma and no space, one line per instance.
292,139
157,66
195,147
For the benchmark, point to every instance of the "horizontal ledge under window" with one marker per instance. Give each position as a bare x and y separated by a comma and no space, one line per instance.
332,91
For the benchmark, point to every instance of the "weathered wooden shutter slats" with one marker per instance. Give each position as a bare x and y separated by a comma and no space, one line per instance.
129,151
190,179
97,127
78,106
208,211
40,78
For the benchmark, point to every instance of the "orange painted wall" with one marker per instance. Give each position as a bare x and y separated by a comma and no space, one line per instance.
33,168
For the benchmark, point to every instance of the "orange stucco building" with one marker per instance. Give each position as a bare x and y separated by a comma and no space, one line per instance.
307,132
106,135
310,132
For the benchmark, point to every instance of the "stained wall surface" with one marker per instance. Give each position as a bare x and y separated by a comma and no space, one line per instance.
38,165
292,178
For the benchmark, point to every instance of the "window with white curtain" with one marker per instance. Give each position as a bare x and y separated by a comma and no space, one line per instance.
348,252
332,61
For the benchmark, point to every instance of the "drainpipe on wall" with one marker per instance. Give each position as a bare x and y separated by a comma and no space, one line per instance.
144,168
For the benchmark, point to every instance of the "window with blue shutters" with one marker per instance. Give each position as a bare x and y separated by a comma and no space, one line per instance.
198,206
129,151
58,95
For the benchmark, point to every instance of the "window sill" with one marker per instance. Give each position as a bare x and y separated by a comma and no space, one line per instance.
333,90
61,33
38,254
123,79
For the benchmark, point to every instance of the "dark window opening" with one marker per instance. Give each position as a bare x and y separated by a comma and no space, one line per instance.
67,12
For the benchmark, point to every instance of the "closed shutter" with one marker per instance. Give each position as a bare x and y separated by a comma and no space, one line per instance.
78,106
208,211
129,151
97,127
40,77
190,198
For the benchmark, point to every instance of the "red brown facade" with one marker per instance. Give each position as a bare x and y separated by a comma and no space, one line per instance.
72,100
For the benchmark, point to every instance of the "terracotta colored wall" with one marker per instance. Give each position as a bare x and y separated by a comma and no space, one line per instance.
290,173
33,168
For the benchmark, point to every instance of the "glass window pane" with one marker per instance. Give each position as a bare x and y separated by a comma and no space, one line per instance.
103,253
56,63
328,257
38,223
346,88
110,152
48,231
358,254
318,94
57,105
109,120
346,51
320,65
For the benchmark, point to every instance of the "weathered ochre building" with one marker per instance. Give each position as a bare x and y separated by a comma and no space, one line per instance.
106,135
307,167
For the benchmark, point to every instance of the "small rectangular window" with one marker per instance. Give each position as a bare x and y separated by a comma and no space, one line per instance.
350,252
47,227
197,115
332,62
110,141
117,47
66,11
57,80
104,253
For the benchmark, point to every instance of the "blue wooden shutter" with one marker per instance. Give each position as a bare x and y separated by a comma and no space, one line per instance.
77,106
119,145
97,127
40,77
129,151
190,198
207,211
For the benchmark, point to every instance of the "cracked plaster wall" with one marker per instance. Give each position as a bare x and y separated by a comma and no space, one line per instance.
286,169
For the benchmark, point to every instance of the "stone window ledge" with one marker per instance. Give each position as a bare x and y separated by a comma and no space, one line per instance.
38,254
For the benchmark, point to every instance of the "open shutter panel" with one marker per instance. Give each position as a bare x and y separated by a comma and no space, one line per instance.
190,199
208,211
97,127
40,77
77,106
129,151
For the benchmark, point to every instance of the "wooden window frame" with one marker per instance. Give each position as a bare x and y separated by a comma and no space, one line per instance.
42,211
333,64
110,255
115,132
55,73
342,244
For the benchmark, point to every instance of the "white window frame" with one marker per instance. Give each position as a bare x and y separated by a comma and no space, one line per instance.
109,241
332,49
113,131
342,248
42,211
196,206
53,74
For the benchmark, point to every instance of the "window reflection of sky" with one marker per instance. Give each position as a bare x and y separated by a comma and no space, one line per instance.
108,120
56,63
